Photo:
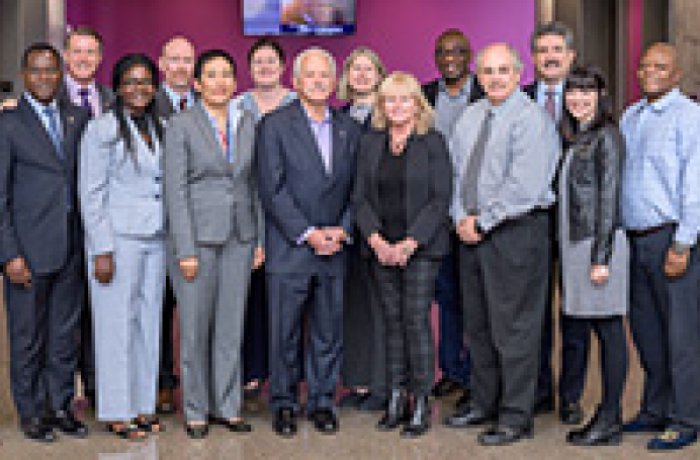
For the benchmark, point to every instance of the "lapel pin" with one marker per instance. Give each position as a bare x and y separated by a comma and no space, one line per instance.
70,118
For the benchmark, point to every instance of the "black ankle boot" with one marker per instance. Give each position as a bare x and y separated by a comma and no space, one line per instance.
604,429
396,411
419,421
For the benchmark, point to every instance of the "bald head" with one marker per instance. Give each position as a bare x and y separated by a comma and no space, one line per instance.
659,72
177,64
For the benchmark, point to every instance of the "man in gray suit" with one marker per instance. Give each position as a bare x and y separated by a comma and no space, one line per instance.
41,246
306,164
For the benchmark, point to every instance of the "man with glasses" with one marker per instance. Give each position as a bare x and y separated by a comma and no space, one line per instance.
450,95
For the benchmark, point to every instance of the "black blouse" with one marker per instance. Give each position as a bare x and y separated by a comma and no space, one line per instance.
391,180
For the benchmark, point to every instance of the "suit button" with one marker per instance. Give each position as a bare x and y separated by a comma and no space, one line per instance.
157,196
157,178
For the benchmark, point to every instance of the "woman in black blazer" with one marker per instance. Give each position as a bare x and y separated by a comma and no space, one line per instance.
401,201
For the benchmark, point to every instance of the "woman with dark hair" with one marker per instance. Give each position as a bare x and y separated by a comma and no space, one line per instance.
594,248
216,231
266,60
122,210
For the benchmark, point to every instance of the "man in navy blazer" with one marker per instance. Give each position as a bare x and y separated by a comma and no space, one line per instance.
306,167
41,246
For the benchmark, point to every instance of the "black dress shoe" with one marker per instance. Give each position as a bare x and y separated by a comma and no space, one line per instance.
36,430
571,414
199,431
445,387
419,422
285,423
501,435
68,424
324,420
468,416
603,429
235,426
544,406
397,411
464,401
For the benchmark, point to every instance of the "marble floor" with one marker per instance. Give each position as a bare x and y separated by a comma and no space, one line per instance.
357,439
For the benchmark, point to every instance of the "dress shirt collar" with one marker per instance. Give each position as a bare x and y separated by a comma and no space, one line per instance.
463,91
503,107
543,88
175,97
326,116
661,104
74,88
37,106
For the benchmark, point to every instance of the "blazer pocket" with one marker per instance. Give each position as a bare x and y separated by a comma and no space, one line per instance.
212,223
245,222
137,220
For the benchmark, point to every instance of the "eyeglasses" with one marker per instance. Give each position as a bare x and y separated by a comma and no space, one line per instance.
456,52
137,82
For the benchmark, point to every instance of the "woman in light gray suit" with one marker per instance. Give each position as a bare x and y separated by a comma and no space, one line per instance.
122,210
215,227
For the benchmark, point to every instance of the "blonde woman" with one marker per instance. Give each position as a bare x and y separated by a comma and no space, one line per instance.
364,360
402,198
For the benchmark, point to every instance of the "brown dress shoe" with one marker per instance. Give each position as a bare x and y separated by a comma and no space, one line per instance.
166,402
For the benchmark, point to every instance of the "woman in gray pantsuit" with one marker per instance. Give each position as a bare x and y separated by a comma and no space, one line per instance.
594,250
215,228
122,209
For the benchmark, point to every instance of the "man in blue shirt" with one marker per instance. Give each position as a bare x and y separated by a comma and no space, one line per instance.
661,211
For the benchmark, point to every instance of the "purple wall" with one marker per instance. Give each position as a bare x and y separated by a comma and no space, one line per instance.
401,31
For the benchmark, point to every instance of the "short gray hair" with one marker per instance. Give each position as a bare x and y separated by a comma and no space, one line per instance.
552,28
299,59
514,55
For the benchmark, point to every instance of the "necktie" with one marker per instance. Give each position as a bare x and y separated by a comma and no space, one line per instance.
471,176
84,94
54,132
549,104
183,103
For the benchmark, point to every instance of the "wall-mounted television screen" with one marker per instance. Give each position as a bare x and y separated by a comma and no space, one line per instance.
298,17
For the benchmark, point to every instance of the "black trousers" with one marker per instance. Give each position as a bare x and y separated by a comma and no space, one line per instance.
665,322
406,295
613,360
364,337
255,331
86,352
320,297
504,283
43,322
166,374
575,340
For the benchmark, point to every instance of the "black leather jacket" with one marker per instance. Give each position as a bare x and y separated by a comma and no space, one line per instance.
594,181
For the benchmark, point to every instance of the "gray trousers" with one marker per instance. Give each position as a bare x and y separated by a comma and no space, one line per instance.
126,315
212,312
504,282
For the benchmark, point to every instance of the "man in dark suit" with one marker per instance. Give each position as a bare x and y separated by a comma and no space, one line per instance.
83,56
41,246
306,166
450,95
553,53
175,94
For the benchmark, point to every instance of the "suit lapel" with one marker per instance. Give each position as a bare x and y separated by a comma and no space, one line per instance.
207,130
40,136
306,137
339,146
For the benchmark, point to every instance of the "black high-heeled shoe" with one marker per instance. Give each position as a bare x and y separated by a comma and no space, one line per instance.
419,422
604,429
396,412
